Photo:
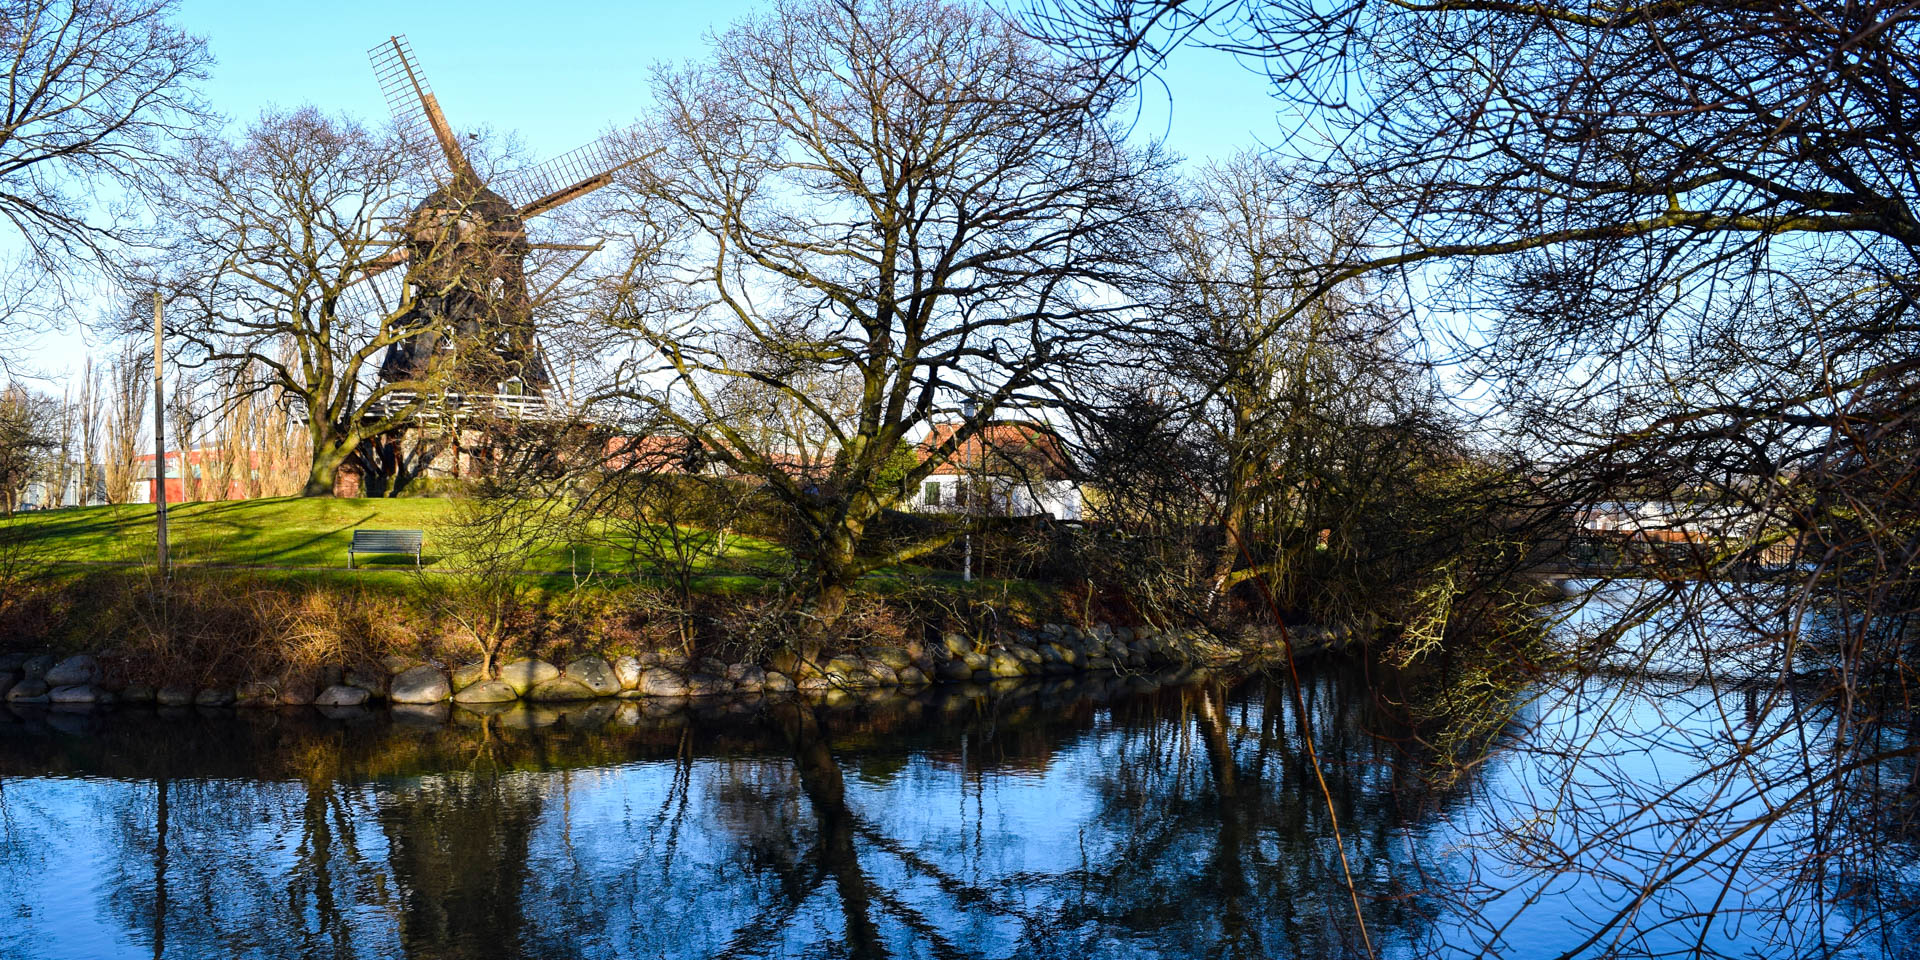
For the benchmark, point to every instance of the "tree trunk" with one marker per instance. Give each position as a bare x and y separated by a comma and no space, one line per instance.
834,573
1233,518
327,458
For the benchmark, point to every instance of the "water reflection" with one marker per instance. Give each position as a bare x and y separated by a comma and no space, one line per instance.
1114,817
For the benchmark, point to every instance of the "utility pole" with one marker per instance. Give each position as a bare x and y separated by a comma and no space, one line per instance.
970,479
159,441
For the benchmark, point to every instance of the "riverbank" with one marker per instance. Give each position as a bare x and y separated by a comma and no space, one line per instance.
1052,650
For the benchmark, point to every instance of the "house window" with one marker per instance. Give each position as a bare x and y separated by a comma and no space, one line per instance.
933,494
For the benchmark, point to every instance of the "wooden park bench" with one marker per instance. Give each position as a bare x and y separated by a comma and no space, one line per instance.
386,541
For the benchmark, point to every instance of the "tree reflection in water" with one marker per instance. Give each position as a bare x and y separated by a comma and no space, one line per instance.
1089,817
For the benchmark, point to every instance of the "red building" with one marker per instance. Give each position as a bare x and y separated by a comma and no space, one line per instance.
204,475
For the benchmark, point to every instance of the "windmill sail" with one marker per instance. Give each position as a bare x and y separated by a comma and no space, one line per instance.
415,109
378,290
568,177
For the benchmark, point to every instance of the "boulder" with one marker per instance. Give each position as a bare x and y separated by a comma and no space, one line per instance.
468,674
627,670
524,675
707,685
561,690
174,695
372,681
746,677
785,661
954,671
956,644
594,673
31,690
778,683
1004,665
36,667
136,693
883,675
256,694
913,677
894,658
78,693
341,695
70,694
73,671
661,682
487,691
422,684
395,664
296,694
847,672
213,697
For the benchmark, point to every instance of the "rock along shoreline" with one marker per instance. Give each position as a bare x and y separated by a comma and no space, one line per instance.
1051,650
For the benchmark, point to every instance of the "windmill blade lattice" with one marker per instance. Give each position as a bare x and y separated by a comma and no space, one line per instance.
402,84
376,294
566,176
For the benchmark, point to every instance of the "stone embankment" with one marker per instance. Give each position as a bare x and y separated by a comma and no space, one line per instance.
1051,650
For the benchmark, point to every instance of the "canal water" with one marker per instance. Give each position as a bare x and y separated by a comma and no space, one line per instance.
1169,817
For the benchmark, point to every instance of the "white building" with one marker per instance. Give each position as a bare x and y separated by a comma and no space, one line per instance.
1007,469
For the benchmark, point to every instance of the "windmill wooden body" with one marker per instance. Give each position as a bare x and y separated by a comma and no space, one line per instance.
465,248
462,257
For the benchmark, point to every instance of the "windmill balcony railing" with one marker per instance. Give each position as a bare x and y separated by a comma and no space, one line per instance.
516,406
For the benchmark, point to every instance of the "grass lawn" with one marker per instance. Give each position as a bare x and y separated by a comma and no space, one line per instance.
294,540
297,532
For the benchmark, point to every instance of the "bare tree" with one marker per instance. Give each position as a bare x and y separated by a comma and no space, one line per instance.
64,427
92,412
187,411
275,233
128,390
514,514
97,93
29,437
1687,237
905,200
1281,368
661,505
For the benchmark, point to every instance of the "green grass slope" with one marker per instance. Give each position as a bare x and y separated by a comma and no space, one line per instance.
291,532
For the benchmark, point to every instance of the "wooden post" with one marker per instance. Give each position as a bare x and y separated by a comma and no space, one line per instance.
159,441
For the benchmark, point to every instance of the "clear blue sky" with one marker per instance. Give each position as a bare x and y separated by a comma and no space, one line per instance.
561,75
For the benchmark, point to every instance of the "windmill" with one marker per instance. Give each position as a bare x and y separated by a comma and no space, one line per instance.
465,247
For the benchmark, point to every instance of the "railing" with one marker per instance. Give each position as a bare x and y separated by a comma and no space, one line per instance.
515,406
